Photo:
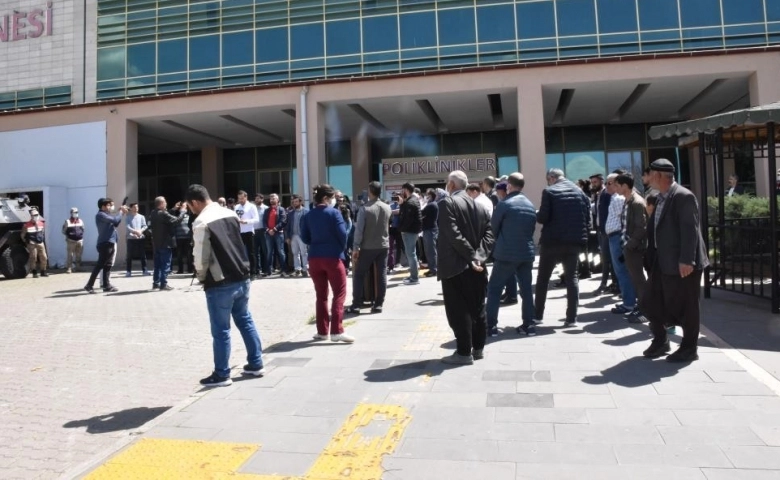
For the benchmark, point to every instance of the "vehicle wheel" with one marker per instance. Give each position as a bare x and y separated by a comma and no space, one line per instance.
13,262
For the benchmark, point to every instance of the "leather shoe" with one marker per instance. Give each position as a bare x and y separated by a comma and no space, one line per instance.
509,301
683,355
657,349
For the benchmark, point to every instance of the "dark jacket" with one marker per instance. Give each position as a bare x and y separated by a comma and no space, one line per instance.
464,234
513,224
678,239
163,226
410,220
565,214
430,215
292,220
324,230
636,224
603,210
281,218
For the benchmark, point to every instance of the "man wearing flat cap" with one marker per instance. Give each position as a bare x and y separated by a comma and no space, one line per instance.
674,286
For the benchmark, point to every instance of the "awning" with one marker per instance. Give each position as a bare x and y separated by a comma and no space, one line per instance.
746,117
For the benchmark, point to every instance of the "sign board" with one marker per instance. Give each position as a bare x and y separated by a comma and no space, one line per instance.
397,171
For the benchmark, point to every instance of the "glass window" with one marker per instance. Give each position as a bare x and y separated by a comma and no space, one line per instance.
495,23
744,11
456,26
626,136
617,16
422,146
575,17
746,35
306,41
700,13
462,144
584,138
172,56
237,49
271,45
204,52
418,30
338,153
584,164
111,63
380,33
343,37
535,19
658,14
340,177
238,159
239,181
553,160
772,11
141,59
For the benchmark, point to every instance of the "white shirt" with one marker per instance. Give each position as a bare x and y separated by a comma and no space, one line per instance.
614,224
247,213
260,212
484,200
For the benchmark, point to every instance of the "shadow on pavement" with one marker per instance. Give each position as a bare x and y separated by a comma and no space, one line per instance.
635,372
285,347
123,420
402,370
431,302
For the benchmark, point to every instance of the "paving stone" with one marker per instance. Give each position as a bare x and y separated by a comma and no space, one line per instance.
393,362
607,472
575,400
732,377
562,387
326,409
284,442
532,400
473,386
555,453
183,433
441,449
610,434
516,376
672,455
442,399
628,417
766,458
674,402
426,469
736,389
689,435
766,404
726,418
289,362
541,415
770,435
277,463
741,474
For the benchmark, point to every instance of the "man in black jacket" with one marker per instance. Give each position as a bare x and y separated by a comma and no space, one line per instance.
464,243
565,216
163,226
410,225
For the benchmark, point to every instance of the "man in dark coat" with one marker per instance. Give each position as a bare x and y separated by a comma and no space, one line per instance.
672,295
163,226
464,244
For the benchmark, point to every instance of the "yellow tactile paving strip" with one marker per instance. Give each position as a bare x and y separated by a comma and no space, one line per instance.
353,453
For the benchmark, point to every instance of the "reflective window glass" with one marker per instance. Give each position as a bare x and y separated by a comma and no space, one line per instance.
576,17
204,52
418,30
111,63
306,41
617,16
535,19
380,33
496,23
554,160
172,56
658,14
237,48
456,26
343,37
772,10
743,11
271,45
700,13
141,59
584,164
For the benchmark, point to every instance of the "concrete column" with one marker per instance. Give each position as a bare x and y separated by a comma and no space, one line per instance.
361,163
212,171
530,138
764,89
121,166
315,131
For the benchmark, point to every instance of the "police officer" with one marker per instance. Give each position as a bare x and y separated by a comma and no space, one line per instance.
73,229
33,237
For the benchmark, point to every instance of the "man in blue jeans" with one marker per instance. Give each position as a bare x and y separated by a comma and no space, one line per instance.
410,225
222,266
614,229
513,224
163,226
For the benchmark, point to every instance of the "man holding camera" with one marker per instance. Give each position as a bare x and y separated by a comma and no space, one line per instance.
106,221
163,240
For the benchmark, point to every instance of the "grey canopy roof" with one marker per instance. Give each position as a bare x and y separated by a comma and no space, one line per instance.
737,118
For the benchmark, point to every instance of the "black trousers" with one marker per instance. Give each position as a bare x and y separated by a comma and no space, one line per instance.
184,254
135,249
261,251
464,304
104,263
550,256
249,243
377,258
606,260
673,300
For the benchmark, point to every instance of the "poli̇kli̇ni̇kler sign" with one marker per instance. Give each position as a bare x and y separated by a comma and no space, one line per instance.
435,169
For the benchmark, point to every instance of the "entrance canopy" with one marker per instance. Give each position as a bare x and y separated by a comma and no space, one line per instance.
754,116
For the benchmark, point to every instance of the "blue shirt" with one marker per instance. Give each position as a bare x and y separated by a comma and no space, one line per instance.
394,219
325,231
106,226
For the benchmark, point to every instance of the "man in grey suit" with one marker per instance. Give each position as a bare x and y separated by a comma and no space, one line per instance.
464,243
672,295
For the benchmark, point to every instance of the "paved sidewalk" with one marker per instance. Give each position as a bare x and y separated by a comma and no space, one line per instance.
565,404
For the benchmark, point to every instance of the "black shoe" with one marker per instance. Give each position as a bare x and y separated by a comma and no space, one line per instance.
601,290
180,272
430,273
492,332
527,330
478,354
509,301
683,355
215,380
559,284
44,274
614,289
657,349
155,286
166,288
252,370
89,289
376,309
504,296
35,274
353,310
110,289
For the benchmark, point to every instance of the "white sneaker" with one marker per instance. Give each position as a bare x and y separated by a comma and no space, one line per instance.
68,271
320,337
342,337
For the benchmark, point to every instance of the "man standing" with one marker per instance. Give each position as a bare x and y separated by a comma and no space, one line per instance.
465,241
222,266
298,249
249,220
73,229
370,247
261,248
275,219
513,224
565,216
734,187
396,242
33,235
473,191
106,222
489,190
430,230
600,213
410,225
672,295
183,235
614,228
634,239
163,240
136,241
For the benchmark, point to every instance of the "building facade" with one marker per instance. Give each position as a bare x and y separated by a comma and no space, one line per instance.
277,96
